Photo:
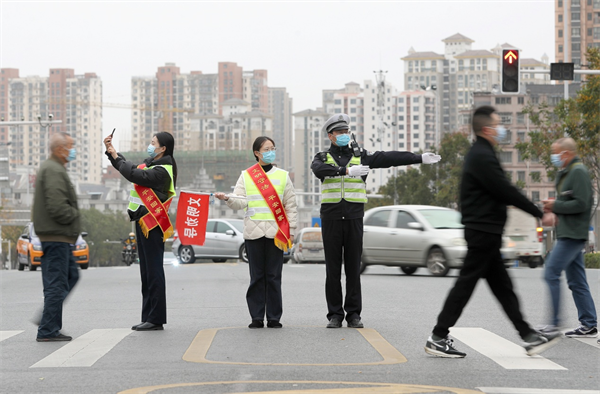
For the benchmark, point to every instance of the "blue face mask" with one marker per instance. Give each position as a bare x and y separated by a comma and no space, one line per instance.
556,160
500,134
151,151
342,140
269,157
72,154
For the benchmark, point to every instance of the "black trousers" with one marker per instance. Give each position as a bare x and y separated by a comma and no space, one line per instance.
483,260
342,240
265,261
154,298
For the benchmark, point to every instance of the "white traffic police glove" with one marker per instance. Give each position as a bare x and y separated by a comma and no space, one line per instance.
430,158
358,170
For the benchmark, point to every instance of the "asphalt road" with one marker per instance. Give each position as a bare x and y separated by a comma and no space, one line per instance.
206,347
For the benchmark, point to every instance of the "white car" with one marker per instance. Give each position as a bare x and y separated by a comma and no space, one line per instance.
308,246
224,240
413,236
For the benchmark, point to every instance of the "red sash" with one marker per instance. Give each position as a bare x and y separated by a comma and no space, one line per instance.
157,211
266,189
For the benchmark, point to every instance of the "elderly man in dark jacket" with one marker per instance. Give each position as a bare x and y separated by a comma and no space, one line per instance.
57,223
484,194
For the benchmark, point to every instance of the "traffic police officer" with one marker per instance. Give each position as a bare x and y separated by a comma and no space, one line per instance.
343,171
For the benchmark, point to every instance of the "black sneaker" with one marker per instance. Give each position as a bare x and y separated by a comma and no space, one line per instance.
58,338
356,323
540,342
334,323
256,324
443,348
582,332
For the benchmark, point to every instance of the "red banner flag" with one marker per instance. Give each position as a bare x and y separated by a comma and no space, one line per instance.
192,215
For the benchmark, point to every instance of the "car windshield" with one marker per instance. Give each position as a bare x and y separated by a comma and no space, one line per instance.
442,218
238,224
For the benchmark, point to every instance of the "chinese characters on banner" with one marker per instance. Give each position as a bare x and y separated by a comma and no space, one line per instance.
192,214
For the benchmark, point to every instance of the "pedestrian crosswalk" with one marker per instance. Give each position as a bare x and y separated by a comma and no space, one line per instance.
87,349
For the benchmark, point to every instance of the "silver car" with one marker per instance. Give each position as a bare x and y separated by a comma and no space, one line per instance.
413,236
224,240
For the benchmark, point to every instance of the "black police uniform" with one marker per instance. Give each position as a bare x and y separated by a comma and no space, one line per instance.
342,228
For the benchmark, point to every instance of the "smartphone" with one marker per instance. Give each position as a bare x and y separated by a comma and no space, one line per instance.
111,134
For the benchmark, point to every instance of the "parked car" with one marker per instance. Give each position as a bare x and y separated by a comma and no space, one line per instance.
413,236
169,258
523,230
308,246
224,240
29,250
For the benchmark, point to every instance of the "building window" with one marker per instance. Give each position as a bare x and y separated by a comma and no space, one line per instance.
575,32
589,31
401,145
535,196
575,16
560,18
559,3
520,117
506,157
521,136
521,176
589,16
505,117
560,34
560,48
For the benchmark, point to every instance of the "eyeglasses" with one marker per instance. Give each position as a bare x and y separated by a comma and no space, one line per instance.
273,149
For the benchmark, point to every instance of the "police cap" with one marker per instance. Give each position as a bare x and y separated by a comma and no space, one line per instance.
337,122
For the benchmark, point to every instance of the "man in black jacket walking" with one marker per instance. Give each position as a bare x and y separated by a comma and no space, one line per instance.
484,194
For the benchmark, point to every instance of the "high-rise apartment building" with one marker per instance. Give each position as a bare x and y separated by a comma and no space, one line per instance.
165,101
584,29
349,101
281,108
73,99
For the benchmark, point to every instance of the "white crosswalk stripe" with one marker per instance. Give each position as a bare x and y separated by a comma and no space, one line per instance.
7,334
588,341
85,350
502,351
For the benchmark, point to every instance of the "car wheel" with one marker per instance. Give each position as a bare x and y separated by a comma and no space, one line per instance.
21,267
84,266
243,253
219,260
186,254
32,267
409,270
363,267
436,262
534,262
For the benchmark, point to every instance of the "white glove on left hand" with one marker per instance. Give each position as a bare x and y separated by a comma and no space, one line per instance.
430,158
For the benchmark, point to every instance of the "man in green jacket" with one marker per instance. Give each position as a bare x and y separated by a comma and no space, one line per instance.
573,208
56,222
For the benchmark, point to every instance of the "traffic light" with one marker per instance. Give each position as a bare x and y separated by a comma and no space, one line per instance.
510,71
562,71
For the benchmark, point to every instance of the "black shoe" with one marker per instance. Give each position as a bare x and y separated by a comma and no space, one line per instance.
356,323
443,348
58,338
256,324
540,342
136,326
149,327
274,324
334,323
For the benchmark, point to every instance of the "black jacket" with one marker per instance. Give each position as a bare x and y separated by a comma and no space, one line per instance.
342,155
156,178
485,191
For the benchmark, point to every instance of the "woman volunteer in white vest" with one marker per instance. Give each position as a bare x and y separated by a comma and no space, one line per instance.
269,227
153,189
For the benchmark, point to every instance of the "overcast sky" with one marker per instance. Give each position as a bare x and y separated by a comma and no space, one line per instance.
305,46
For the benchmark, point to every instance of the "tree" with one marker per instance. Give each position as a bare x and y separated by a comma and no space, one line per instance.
102,227
436,184
578,118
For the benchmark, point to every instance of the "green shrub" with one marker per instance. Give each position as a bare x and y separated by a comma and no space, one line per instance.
592,260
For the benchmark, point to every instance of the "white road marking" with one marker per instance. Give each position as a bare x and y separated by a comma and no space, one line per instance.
7,334
513,390
85,350
588,341
501,351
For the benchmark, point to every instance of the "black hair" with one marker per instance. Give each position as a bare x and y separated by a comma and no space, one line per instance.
166,139
258,143
482,117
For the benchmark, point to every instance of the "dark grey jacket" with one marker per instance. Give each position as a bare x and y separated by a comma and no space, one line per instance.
55,213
